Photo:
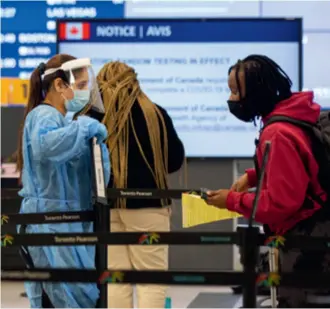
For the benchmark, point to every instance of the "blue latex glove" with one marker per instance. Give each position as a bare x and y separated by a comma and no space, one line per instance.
95,128
102,133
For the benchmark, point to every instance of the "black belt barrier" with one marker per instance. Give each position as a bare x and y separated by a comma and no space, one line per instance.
162,238
148,193
48,217
303,280
12,193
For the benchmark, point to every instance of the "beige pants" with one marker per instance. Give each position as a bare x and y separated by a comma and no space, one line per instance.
138,257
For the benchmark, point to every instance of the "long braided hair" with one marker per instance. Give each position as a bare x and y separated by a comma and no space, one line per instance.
263,78
120,90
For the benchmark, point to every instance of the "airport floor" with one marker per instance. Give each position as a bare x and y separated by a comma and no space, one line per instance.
182,297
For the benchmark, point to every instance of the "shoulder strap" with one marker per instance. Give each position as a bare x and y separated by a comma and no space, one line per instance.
280,118
299,123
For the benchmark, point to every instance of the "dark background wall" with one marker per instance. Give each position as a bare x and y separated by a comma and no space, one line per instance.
208,173
11,119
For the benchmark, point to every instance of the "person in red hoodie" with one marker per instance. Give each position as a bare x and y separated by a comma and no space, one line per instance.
260,88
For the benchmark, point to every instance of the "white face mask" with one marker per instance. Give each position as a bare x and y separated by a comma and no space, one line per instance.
79,101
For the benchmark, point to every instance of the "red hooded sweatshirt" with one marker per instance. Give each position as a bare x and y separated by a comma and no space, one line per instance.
290,169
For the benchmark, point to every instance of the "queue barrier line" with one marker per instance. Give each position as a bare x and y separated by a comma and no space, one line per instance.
148,193
302,279
118,276
47,217
112,193
161,238
120,238
249,239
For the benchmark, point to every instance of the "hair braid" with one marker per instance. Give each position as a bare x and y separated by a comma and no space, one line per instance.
120,91
263,78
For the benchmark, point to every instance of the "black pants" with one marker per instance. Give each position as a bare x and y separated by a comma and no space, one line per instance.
299,260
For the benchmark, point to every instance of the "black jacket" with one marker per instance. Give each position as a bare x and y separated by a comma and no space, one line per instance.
139,176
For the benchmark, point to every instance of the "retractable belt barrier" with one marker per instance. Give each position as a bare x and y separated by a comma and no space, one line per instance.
245,237
12,193
303,280
149,193
161,238
48,217
133,238
81,216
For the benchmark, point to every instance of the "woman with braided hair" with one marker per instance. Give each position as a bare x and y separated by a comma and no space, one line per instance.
293,198
144,148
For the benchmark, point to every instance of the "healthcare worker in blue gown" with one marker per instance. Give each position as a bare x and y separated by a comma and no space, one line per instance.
51,153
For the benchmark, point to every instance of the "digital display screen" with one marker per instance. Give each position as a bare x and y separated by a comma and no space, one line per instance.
28,29
183,65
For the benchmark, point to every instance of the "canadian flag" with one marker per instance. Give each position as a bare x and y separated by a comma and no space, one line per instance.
74,31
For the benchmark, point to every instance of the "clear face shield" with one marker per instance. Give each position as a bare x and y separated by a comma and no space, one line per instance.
82,80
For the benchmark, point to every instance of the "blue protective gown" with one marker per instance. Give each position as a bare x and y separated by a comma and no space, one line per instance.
57,178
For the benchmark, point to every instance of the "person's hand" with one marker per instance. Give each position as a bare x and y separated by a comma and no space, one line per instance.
241,185
101,134
95,128
217,198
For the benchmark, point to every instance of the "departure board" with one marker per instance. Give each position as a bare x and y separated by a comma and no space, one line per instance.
28,29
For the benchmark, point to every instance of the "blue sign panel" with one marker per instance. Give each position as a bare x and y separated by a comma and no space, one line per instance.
29,29
248,30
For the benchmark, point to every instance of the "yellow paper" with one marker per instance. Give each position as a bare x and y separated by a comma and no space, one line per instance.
195,212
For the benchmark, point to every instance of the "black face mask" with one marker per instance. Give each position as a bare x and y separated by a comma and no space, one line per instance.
242,110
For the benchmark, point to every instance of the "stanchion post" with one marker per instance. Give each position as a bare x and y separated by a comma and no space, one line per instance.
102,220
102,224
249,242
250,253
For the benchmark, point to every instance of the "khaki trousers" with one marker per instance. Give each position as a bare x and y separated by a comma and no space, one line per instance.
138,257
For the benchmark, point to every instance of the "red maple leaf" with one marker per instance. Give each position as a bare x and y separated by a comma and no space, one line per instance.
74,30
